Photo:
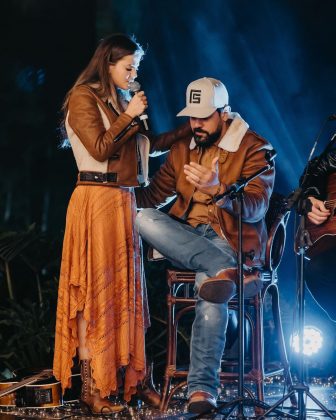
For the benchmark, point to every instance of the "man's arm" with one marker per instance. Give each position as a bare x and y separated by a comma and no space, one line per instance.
163,142
315,180
256,193
161,187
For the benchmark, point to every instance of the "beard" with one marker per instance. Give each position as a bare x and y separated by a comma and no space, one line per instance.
207,139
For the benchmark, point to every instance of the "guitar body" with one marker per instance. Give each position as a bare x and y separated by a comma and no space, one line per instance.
42,394
323,236
322,239
70,394
9,399
31,392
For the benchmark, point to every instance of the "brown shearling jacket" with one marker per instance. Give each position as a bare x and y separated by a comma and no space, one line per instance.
249,157
104,141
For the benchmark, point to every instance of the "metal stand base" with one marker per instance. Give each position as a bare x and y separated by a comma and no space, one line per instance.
302,391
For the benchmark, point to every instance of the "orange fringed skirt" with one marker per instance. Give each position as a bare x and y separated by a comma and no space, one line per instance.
101,275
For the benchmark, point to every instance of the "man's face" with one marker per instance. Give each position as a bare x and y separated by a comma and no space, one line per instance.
207,130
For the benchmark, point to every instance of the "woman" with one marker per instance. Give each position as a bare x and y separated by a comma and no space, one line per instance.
101,311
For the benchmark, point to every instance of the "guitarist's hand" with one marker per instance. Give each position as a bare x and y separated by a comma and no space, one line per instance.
319,213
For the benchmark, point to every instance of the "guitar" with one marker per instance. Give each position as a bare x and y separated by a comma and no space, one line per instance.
323,237
37,391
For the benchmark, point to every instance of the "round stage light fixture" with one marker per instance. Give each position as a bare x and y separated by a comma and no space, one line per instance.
312,341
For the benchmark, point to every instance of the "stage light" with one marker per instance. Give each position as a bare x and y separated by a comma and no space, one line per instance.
312,341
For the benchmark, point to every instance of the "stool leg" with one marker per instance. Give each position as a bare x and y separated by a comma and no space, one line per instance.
171,351
165,392
258,344
282,347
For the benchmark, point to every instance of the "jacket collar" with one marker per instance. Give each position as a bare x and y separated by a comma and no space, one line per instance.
233,136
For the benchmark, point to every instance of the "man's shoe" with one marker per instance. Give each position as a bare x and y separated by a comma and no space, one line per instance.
201,402
222,287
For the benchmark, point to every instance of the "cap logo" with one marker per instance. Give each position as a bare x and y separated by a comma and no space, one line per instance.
195,96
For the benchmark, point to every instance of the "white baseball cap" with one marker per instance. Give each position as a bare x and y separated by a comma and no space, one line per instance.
203,97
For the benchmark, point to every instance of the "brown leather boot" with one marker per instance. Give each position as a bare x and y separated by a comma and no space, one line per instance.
201,402
146,390
90,398
222,287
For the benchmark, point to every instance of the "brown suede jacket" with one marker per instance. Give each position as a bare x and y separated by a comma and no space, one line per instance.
250,156
104,141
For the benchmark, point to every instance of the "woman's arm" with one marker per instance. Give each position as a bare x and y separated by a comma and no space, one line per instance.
86,120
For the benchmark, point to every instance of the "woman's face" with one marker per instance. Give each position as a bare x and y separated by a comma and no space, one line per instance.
124,71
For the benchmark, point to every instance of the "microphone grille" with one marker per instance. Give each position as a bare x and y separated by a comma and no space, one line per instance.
134,86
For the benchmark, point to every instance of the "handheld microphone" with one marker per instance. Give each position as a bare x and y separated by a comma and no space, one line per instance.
134,87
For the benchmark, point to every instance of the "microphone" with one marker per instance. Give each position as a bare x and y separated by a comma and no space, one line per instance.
134,87
332,117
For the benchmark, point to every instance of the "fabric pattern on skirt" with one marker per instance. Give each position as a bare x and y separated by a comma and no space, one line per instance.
101,275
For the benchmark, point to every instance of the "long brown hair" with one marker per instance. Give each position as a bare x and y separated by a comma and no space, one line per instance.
109,51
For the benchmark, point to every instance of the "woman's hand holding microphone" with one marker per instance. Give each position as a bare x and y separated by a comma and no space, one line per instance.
137,104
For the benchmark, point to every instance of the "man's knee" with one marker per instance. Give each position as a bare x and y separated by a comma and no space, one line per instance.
143,217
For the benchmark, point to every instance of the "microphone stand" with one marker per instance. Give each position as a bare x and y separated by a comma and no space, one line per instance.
236,192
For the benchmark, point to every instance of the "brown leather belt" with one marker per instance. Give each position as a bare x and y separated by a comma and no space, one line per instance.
99,177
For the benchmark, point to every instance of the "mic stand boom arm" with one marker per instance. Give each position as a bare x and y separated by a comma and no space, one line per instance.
241,183
236,191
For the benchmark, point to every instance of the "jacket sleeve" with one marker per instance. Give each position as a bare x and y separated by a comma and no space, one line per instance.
161,189
86,121
315,175
257,192
162,143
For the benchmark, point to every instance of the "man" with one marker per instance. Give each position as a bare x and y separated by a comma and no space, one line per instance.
200,234
319,185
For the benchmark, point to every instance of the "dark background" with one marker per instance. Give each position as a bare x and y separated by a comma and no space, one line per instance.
277,59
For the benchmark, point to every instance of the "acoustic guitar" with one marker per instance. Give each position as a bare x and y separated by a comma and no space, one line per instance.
38,391
323,237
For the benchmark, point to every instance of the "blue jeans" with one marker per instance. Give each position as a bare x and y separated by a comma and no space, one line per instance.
199,249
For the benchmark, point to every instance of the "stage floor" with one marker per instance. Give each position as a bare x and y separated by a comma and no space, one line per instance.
323,390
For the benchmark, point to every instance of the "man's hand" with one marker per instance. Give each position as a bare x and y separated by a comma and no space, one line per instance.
204,179
319,213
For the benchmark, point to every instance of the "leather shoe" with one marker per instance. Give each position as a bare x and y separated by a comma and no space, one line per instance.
201,402
149,396
222,287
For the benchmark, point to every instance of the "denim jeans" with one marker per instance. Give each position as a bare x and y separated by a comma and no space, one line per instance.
199,249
